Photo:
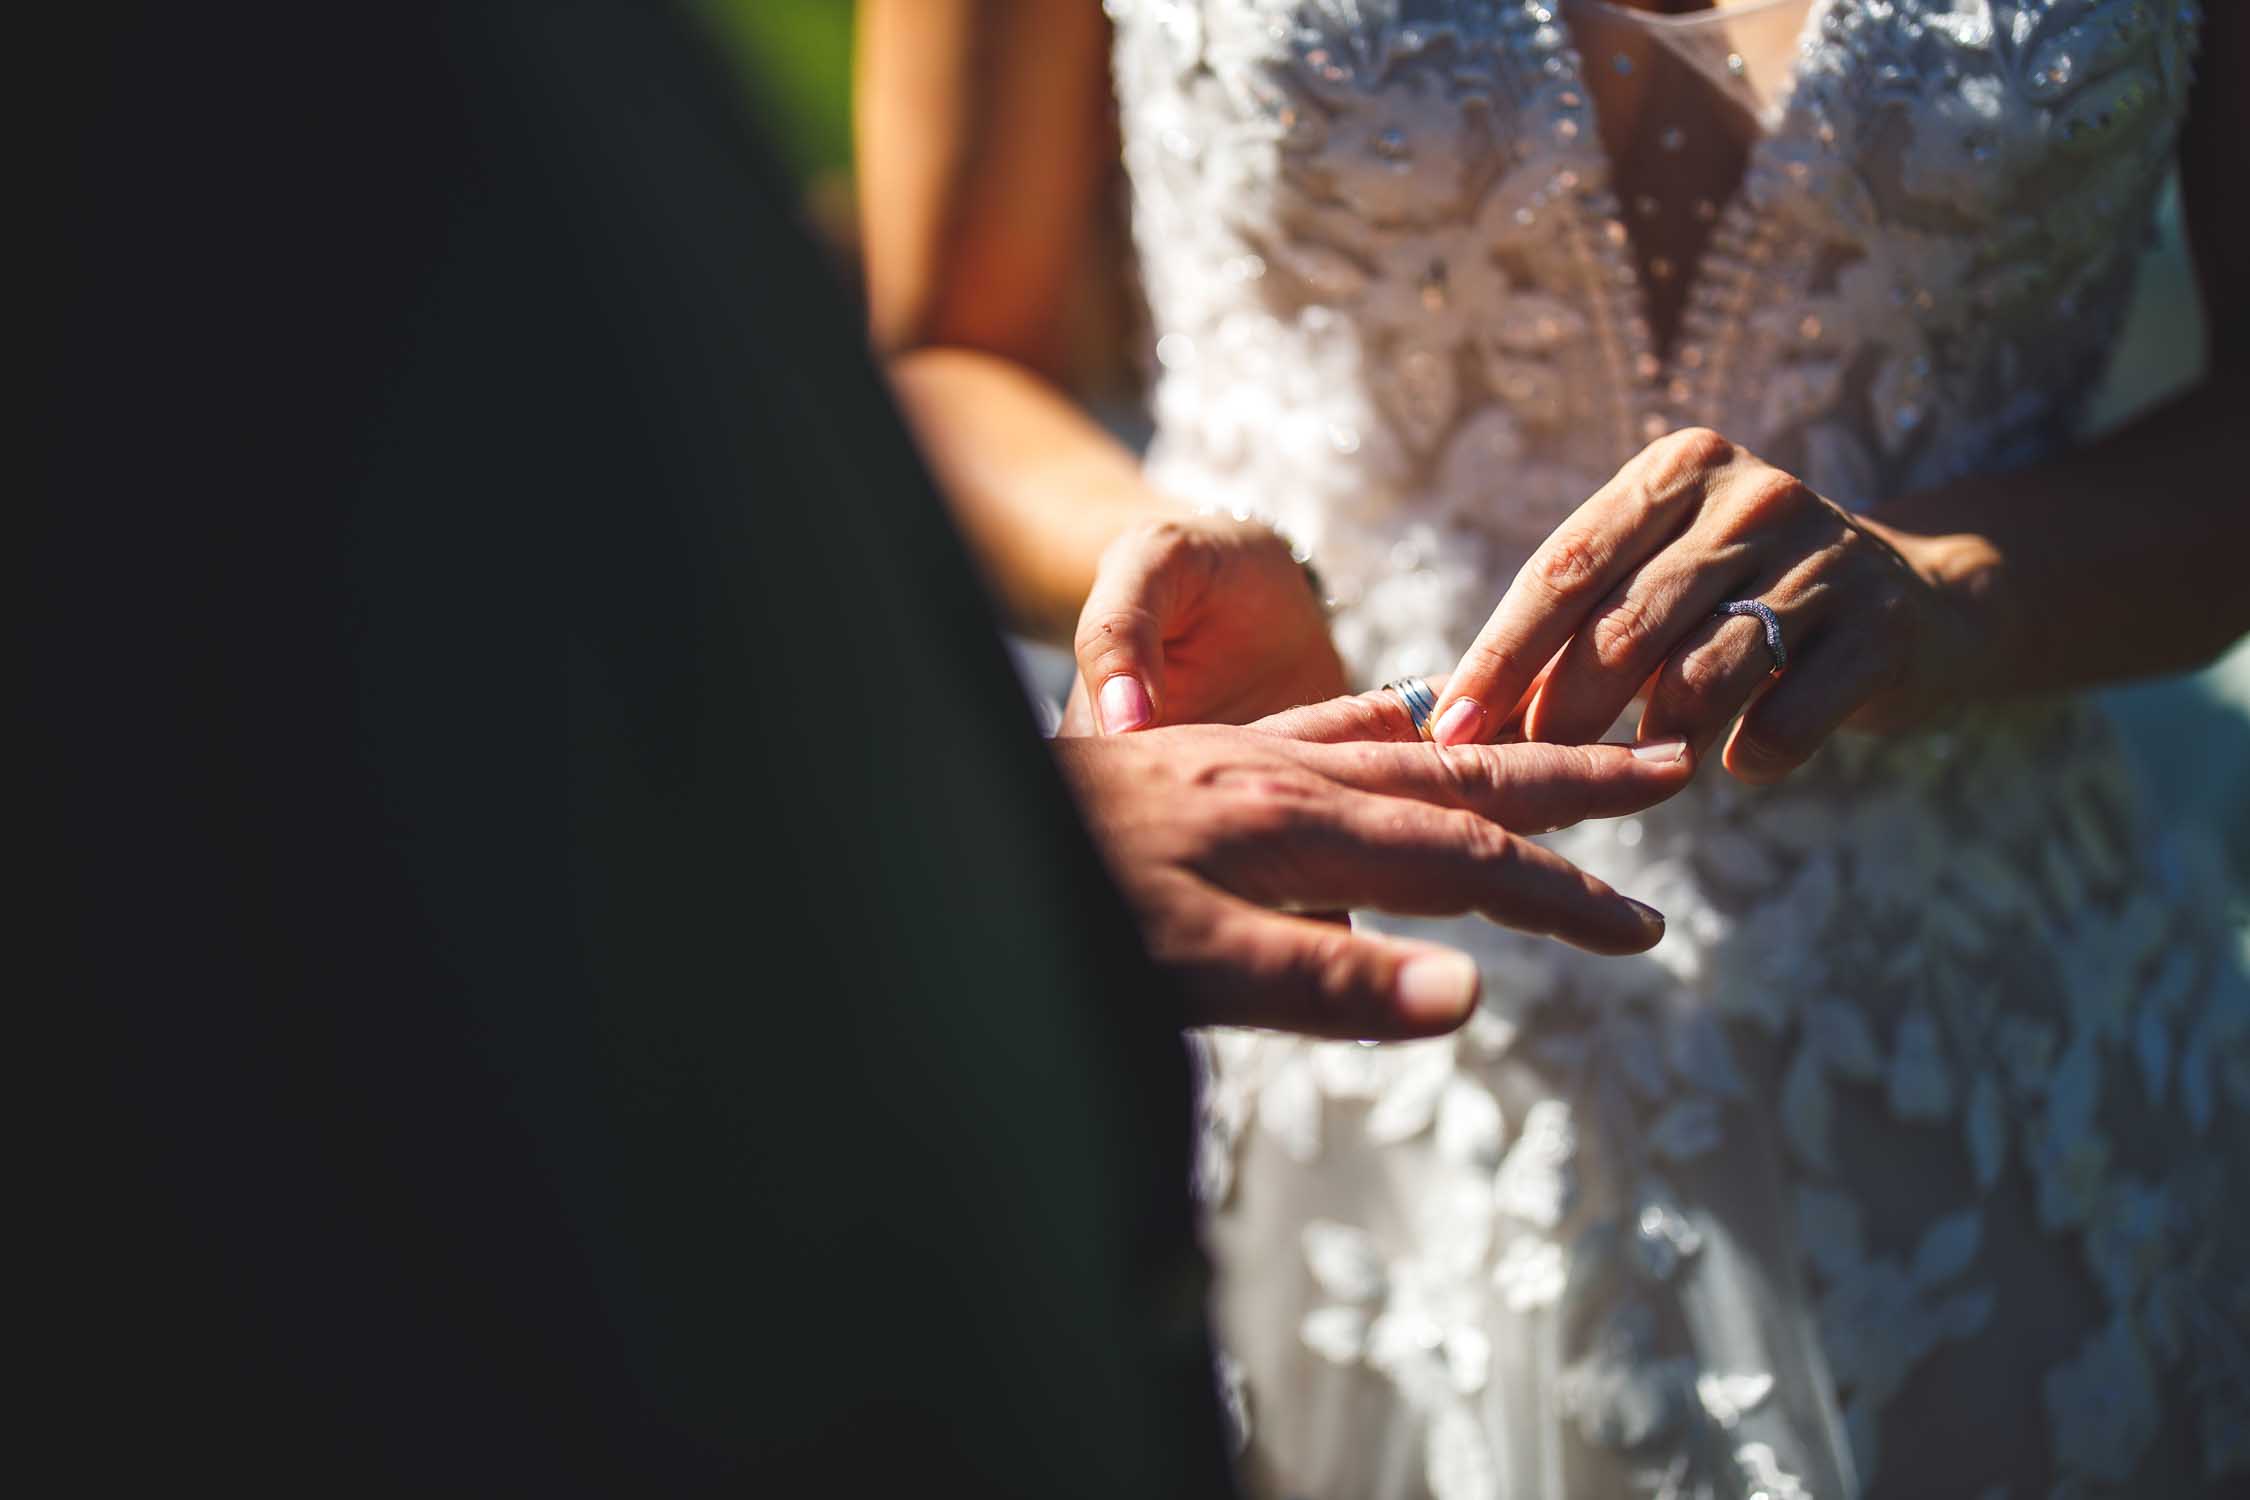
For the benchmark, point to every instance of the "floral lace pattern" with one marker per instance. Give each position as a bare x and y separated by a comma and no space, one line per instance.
1911,1161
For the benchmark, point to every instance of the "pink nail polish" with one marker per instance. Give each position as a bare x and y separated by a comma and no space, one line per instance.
1459,724
1124,705
1663,752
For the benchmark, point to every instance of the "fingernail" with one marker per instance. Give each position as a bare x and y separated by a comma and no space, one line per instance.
1649,914
1124,704
1437,988
1663,752
1754,755
1459,724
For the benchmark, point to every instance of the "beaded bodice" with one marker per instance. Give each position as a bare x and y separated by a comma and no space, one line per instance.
1398,310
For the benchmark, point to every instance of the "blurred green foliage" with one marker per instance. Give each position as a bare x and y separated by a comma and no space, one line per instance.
796,58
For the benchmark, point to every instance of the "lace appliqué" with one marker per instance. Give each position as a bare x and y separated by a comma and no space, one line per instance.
1398,316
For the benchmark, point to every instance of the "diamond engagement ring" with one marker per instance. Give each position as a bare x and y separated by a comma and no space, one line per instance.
1774,647
1419,700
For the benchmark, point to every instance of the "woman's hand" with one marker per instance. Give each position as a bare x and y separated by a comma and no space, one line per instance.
1623,597
1199,620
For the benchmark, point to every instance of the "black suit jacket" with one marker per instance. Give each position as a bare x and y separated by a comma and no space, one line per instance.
574,972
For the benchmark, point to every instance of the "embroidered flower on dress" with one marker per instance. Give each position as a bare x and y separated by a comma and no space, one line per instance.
1395,320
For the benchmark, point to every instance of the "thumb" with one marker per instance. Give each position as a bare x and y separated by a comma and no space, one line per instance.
1294,973
1120,641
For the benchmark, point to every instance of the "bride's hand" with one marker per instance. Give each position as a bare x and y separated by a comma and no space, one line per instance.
1623,596
1199,620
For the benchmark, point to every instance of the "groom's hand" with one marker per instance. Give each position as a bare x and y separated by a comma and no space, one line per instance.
1229,843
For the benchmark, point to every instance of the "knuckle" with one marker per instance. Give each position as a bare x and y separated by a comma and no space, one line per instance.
1620,634
1332,966
1552,792
1690,448
1485,844
1388,718
1166,543
1261,821
1484,661
1469,769
1703,674
1565,566
1488,666
1148,548
1578,766
1469,775
1262,804
1770,495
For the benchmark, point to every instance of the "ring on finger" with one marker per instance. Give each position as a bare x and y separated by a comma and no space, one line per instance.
1419,701
1759,611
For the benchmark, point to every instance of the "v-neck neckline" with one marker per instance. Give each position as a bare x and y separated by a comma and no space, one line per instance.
1702,17
1662,368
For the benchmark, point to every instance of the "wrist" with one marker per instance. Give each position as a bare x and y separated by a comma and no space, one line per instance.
1966,653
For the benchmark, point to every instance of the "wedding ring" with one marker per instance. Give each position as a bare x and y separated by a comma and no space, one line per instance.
1774,647
1419,700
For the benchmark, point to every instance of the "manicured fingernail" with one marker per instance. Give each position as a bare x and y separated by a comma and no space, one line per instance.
1649,914
1124,704
1437,988
1663,752
1459,724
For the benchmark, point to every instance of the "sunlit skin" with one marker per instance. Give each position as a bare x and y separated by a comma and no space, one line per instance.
1236,848
986,138
985,142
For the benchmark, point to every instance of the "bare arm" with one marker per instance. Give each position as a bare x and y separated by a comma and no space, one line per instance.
985,141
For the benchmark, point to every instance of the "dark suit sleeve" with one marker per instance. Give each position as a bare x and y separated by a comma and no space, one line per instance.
573,971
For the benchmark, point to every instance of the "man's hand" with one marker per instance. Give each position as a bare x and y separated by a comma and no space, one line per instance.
1236,847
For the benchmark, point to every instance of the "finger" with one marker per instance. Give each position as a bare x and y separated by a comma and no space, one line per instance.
1825,684
1717,668
1120,638
1263,968
1380,715
1650,501
1530,697
1632,631
1525,788
1397,855
1078,711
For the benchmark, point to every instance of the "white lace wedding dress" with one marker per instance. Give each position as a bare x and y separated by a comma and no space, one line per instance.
1913,1161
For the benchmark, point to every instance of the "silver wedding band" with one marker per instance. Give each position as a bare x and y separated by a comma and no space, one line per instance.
1774,647
1419,700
